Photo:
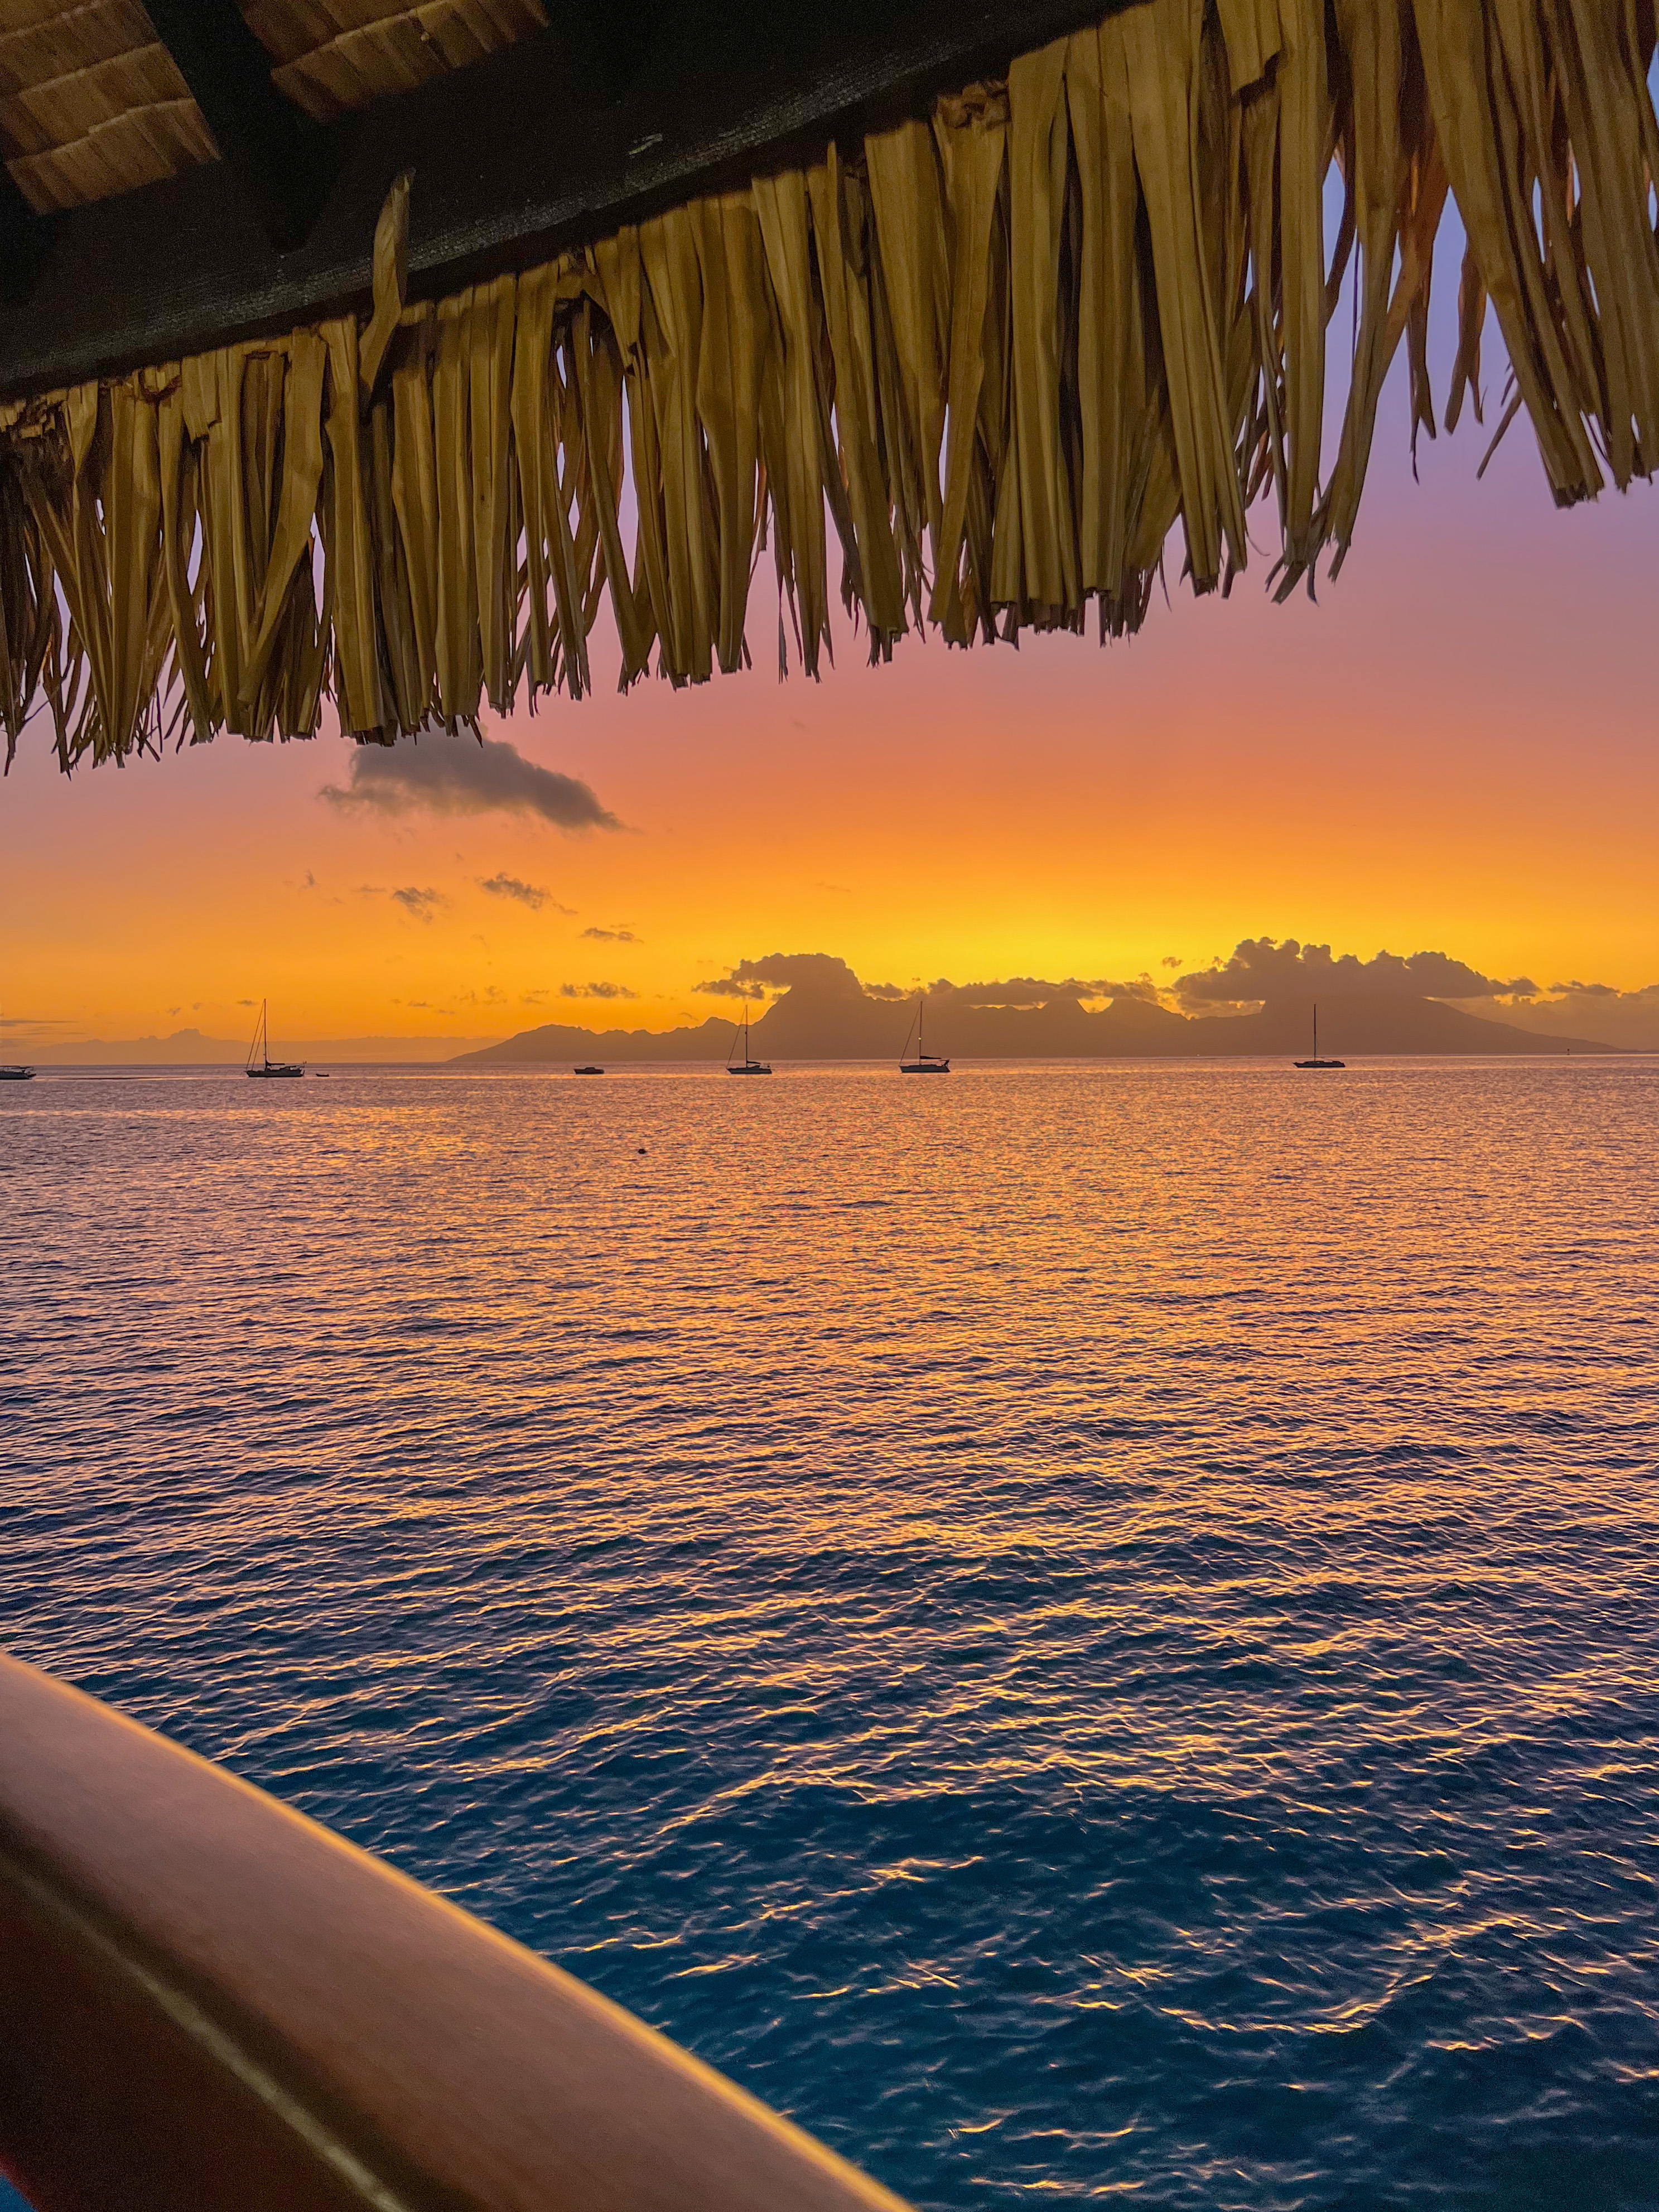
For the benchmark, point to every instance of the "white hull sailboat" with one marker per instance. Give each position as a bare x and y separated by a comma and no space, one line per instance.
259,1062
746,1065
926,1062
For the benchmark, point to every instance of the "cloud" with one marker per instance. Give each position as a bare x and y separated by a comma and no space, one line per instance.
422,904
824,976
1035,991
534,895
1600,1012
1171,960
781,971
728,987
1259,969
612,936
596,991
443,774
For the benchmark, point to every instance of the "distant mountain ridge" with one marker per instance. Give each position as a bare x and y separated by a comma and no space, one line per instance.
813,1021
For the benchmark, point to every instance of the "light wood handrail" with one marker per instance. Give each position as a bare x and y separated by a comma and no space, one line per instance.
212,2004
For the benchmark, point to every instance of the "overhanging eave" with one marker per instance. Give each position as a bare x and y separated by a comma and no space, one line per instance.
555,141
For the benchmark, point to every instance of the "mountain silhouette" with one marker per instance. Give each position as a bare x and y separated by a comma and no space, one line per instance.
833,1016
1376,1022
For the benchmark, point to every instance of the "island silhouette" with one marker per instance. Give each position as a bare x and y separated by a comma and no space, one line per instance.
826,1012
1259,1000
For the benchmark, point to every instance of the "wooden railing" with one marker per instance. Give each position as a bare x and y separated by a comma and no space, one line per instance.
208,2003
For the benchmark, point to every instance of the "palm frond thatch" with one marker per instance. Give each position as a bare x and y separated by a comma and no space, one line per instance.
1000,355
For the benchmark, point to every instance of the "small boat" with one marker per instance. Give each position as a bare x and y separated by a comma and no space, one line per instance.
1317,1062
588,1071
746,1065
16,1075
926,1062
259,1062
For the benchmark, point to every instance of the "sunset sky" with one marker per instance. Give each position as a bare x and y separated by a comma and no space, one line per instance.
1453,750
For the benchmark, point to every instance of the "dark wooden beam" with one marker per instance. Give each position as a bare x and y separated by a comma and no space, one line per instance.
22,240
282,161
609,43
516,156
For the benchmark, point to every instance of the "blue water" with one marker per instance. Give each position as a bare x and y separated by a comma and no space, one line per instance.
1088,1631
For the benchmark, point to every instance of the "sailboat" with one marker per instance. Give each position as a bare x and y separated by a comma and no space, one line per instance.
926,1062
1317,1062
259,1062
16,1075
745,1065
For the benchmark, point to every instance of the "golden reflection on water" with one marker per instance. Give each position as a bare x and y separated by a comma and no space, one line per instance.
1081,1627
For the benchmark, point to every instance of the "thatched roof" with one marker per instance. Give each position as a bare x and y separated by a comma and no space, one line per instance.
93,103
1000,339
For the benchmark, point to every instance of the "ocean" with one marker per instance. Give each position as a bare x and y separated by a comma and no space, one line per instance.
1086,1631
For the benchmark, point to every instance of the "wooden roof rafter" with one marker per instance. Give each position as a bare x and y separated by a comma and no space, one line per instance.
283,162
22,241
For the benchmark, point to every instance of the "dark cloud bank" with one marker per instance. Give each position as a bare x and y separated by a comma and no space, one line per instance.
1259,969
1259,1000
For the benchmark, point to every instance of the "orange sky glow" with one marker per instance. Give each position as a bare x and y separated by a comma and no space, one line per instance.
1453,750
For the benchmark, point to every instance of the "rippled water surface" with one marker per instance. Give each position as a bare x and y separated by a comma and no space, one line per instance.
1083,1630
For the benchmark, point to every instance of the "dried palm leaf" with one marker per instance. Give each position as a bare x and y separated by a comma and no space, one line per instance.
1002,352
